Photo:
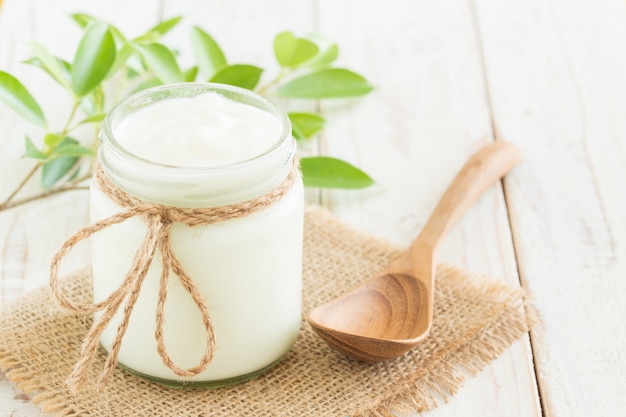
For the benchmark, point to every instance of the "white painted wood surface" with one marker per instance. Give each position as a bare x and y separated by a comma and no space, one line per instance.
449,75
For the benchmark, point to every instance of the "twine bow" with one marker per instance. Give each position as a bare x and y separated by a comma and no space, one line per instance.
159,219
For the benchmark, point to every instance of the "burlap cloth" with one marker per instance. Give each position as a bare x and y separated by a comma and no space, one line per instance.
474,321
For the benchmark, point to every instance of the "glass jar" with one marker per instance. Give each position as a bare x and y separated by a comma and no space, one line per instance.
248,269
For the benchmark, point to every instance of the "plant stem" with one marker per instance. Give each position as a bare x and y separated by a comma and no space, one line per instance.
264,89
66,128
8,204
21,184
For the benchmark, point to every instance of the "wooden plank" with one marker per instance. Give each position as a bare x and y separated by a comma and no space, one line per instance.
412,134
556,77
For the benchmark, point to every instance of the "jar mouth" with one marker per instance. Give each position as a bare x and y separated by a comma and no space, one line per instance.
191,89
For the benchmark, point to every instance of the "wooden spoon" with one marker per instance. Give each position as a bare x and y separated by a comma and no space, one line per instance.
392,312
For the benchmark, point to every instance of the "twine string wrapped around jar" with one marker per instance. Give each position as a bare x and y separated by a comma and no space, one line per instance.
159,219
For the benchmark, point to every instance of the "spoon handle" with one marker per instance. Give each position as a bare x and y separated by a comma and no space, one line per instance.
483,169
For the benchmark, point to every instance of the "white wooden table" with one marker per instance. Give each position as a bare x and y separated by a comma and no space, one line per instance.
549,75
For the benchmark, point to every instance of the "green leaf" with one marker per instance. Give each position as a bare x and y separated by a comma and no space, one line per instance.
51,140
121,57
291,51
88,105
64,66
326,172
135,63
94,57
328,56
51,64
84,20
326,83
17,97
328,50
165,26
96,118
305,125
31,150
154,33
240,75
162,61
149,83
72,149
55,169
208,53
190,74
296,132
93,103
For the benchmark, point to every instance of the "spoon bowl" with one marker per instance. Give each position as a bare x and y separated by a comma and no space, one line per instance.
348,327
392,312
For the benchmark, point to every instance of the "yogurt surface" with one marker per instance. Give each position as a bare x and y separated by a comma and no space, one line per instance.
202,131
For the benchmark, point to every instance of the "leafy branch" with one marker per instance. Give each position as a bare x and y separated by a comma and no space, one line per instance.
107,66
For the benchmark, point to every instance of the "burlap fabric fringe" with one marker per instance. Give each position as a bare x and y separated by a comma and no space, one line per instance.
159,219
475,319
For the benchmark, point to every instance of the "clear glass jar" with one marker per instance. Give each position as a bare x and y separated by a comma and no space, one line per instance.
248,269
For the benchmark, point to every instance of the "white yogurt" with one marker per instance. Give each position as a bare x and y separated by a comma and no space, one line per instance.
204,150
202,131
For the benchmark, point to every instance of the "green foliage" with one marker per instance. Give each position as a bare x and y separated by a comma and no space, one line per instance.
326,172
190,74
96,118
155,33
326,83
54,66
94,57
305,125
106,57
208,53
162,61
240,75
31,151
328,51
84,20
291,51
58,167
16,96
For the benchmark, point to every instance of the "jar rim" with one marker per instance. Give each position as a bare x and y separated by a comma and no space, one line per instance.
195,88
